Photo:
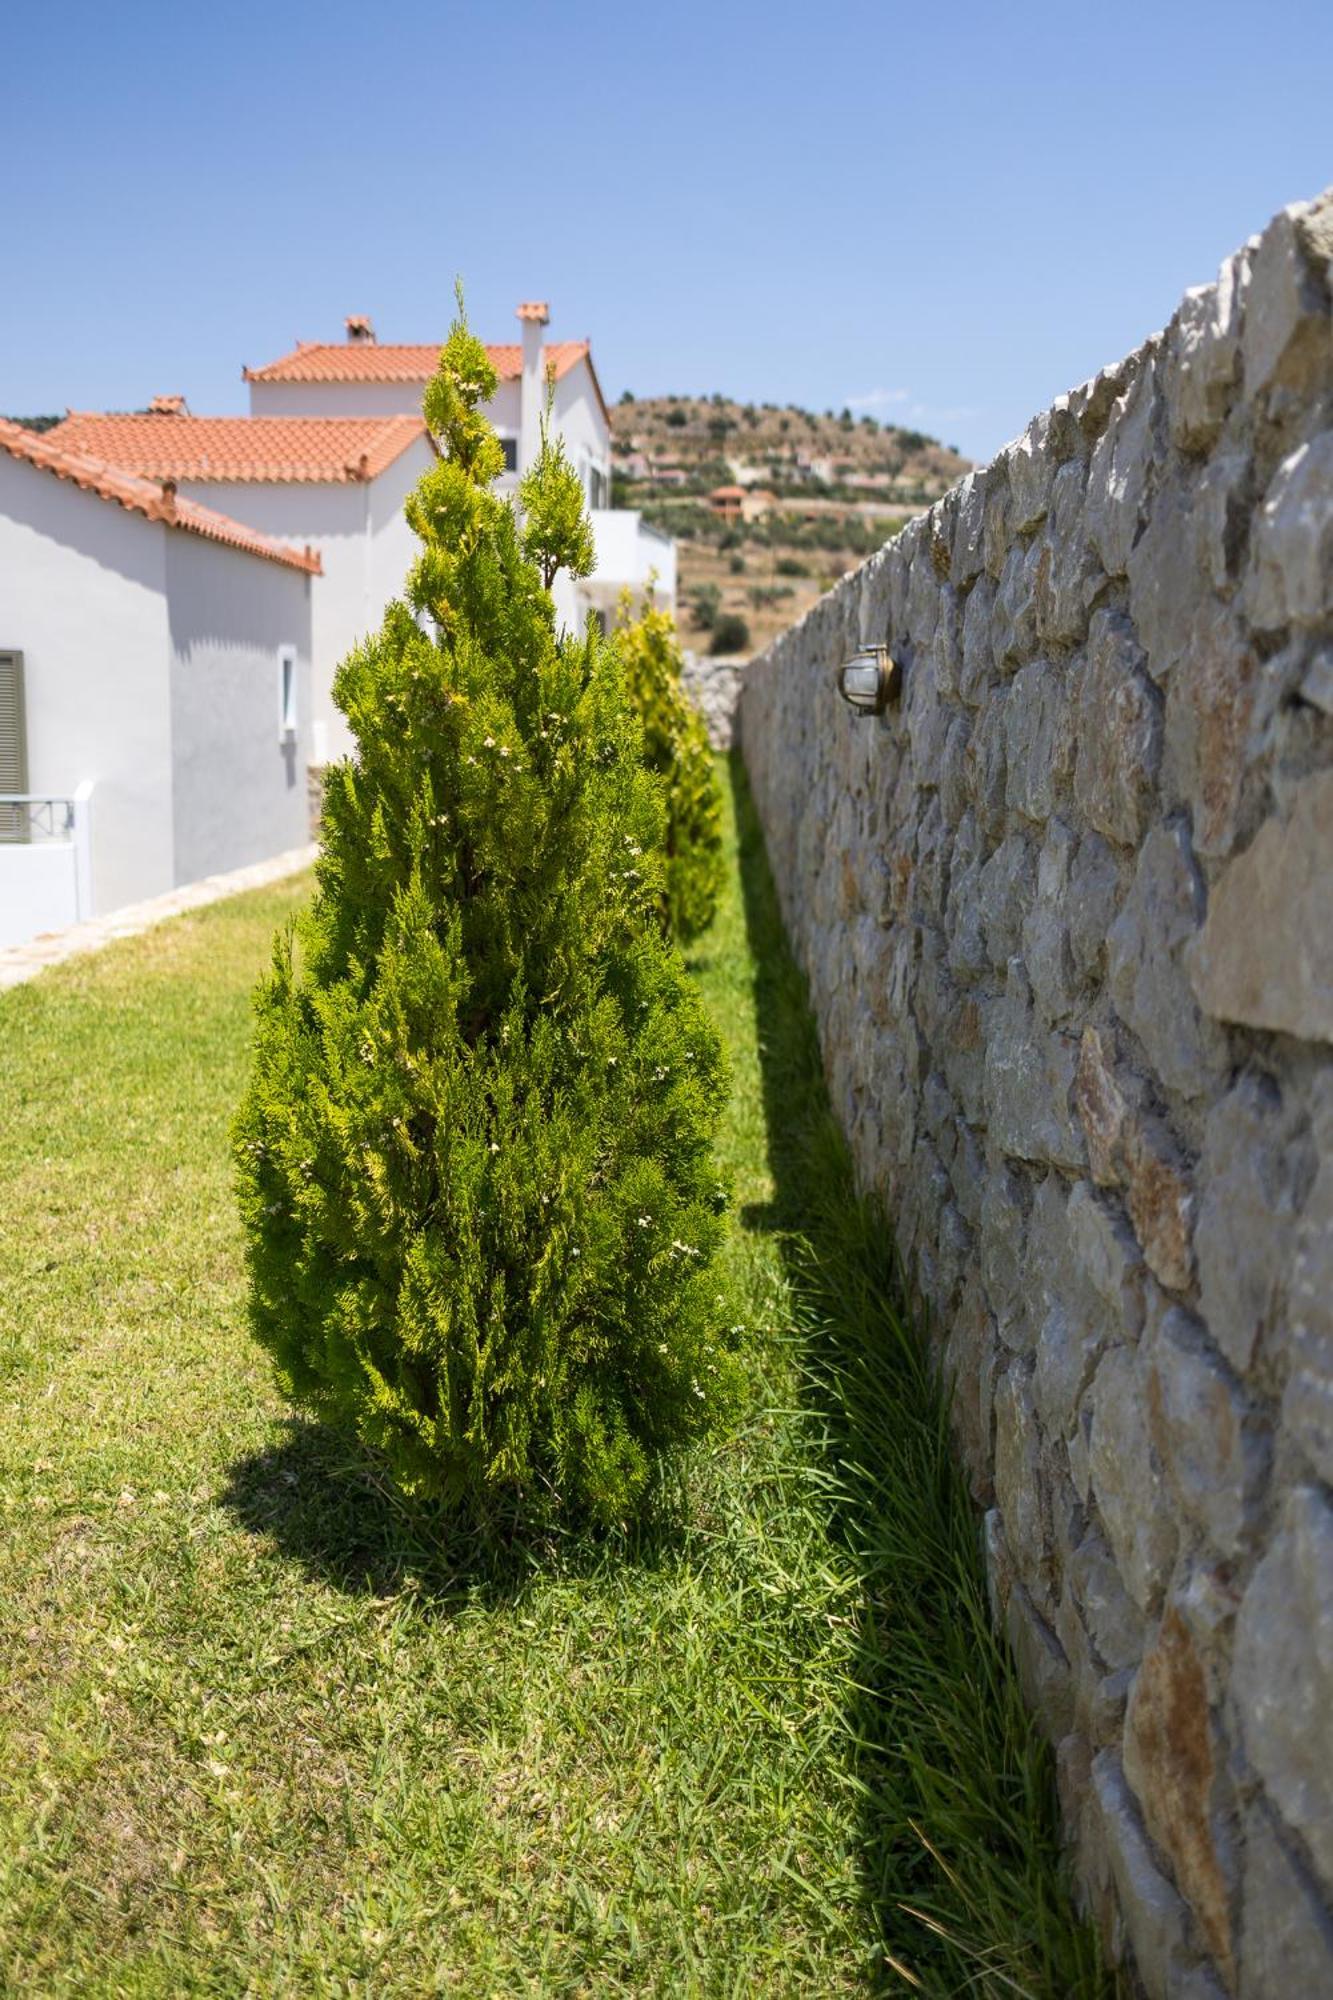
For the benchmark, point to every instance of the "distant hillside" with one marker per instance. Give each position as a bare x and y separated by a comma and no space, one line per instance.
811,497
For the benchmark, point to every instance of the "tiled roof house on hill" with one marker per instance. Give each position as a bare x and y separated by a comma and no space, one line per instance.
154,686
335,483
364,375
308,490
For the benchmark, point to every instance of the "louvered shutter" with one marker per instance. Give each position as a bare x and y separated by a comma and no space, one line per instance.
13,746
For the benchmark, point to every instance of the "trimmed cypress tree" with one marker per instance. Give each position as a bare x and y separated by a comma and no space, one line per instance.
676,746
474,1157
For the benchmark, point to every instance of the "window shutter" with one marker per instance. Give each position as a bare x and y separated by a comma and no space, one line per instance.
13,745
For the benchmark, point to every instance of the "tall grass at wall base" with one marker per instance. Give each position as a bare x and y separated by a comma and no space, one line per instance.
960,1845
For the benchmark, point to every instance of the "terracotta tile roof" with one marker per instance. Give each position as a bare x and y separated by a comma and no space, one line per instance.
155,500
337,450
382,361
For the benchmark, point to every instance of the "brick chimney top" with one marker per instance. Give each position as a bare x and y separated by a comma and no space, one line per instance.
536,311
360,329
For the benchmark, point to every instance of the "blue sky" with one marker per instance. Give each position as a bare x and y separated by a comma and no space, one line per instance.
945,214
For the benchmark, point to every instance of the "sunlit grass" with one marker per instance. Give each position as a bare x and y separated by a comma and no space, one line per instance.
262,1731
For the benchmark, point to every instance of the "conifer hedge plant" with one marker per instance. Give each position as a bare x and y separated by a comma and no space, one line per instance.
474,1158
675,742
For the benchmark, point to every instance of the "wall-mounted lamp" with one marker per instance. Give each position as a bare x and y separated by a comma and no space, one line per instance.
870,680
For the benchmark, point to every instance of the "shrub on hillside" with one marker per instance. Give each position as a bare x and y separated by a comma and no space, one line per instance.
474,1157
705,605
731,634
676,746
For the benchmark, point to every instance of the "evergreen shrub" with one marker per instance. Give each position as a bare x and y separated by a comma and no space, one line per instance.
474,1158
675,744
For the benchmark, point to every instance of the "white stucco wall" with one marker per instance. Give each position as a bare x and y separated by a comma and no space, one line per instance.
239,785
580,422
335,399
366,548
83,597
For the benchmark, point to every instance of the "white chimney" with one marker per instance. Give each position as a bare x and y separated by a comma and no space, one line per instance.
533,316
360,331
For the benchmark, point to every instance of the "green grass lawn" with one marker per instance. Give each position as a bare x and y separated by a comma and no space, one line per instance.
261,1732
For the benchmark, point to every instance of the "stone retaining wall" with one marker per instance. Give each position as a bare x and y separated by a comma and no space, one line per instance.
1067,917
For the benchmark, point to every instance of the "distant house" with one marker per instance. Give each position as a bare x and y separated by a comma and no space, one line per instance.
362,375
335,483
756,502
727,501
154,686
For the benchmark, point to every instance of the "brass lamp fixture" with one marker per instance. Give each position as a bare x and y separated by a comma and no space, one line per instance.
870,680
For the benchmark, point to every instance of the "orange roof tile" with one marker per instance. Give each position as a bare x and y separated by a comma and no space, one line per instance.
337,450
382,361
155,500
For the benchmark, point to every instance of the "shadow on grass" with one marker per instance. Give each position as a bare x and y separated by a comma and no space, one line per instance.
959,1845
325,1503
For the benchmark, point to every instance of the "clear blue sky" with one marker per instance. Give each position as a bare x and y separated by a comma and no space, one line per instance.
949,213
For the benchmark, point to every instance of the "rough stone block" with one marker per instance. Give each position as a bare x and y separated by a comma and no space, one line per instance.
1043,1670
977,668
1121,474
995,534
1069,577
1005,894
984,764
1307,1405
1029,1076
1265,957
1286,1948
953,769
1154,1915
1001,1250
1098,881
1171,1760
1019,1476
1203,350
1282,1678
1211,724
1014,619
1287,306
1038,740
1290,578
966,562
1160,1197
1126,1482
1168,582
1149,982
1045,942
1209,1436
1031,470
1119,731
1250,1175
1113,1621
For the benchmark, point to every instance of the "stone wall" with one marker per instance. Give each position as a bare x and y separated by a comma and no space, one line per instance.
714,686
1067,917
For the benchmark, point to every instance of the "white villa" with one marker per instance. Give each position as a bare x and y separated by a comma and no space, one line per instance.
334,484
362,376
154,688
167,660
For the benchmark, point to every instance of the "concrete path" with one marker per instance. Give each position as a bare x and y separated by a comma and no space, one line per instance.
19,962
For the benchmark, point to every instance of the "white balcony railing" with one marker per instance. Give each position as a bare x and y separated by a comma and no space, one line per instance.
46,862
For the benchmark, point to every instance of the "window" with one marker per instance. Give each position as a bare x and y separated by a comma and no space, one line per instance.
13,746
510,448
286,694
596,486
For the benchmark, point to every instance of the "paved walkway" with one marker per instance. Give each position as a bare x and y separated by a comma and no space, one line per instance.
19,962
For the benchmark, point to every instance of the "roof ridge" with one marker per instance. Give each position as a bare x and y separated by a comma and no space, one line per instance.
296,449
